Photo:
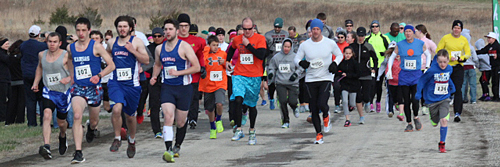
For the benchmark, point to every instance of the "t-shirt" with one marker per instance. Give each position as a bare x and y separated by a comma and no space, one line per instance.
397,38
249,65
216,73
455,47
198,44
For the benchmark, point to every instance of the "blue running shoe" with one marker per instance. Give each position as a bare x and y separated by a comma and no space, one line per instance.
271,104
263,103
244,119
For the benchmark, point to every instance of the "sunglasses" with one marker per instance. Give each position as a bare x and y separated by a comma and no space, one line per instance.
247,29
157,36
348,25
401,28
375,26
341,37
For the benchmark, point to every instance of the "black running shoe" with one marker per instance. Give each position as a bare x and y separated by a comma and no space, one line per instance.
45,152
131,149
63,145
78,158
192,124
115,146
90,134
176,149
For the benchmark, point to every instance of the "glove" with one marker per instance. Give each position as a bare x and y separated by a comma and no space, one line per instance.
382,53
388,75
333,68
304,64
203,73
270,76
293,77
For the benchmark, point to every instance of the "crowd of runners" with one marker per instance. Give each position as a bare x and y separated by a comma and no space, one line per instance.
177,67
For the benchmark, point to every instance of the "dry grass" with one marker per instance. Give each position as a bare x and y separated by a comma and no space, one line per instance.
18,15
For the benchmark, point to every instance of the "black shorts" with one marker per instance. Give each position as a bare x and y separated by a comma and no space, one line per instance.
47,103
105,95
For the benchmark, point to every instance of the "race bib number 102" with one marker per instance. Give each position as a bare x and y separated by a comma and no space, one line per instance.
83,72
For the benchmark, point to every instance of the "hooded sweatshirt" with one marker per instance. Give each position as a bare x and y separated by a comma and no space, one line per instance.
473,60
282,66
435,84
484,59
492,50
350,82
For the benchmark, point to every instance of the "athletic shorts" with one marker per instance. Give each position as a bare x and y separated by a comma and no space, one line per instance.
127,95
246,87
57,100
439,110
179,95
91,94
212,98
105,95
409,78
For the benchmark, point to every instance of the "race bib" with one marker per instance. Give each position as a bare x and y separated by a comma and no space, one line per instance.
246,59
166,74
441,89
278,47
123,74
410,64
492,54
215,75
456,54
53,79
317,63
284,68
83,72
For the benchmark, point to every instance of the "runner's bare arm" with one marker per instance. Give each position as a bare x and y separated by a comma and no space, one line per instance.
188,53
139,50
38,73
157,66
69,66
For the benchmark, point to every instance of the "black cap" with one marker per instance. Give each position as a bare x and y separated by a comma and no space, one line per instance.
183,17
239,27
458,23
361,31
349,21
211,29
157,30
220,30
193,29
231,30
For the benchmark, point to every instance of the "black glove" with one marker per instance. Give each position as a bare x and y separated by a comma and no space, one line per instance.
203,73
293,77
382,53
269,76
304,64
333,68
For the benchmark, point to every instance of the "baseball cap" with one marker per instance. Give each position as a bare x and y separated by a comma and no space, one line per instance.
492,35
211,29
361,31
278,22
34,30
349,21
157,30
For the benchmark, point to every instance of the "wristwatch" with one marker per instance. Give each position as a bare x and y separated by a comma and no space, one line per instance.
99,75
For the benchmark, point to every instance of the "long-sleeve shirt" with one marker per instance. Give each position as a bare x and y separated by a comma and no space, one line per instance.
319,54
456,47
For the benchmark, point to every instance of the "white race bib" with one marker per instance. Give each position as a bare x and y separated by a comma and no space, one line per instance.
410,64
83,72
53,79
456,54
166,74
441,89
492,54
284,68
278,47
317,63
123,74
246,59
215,75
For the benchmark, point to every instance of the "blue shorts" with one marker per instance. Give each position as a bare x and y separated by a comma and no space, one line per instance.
127,95
179,95
62,101
246,87
409,78
92,94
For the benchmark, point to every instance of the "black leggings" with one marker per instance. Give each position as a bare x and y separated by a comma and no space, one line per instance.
319,92
378,88
337,91
409,98
230,109
458,79
485,81
272,89
144,96
303,97
237,115
363,95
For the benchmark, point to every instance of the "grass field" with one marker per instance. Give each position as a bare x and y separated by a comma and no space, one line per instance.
18,15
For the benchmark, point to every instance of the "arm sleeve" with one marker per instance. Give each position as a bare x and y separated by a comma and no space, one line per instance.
260,53
441,44
230,53
428,58
467,50
199,53
484,50
391,62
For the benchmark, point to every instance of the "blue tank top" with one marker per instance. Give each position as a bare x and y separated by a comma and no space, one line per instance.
411,54
86,64
172,60
127,66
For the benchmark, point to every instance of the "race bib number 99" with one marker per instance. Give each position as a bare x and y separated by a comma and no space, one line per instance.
246,59
166,74
215,75
123,74
410,64
83,72
441,89
284,68
53,79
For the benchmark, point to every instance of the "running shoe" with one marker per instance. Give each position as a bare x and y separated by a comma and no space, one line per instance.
45,152
488,98
213,134
264,103
347,123
219,126
319,138
351,108
131,149
90,134
451,102
473,102
367,107
465,101
192,124
441,147
78,158
409,128
327,123
378,107
237,135
271,104
251,138
457,118
168,157
63,145
285,126
296,113
418,125
302,109
158,135
425,110
115,145
372,109
232,123
361,120
176,150
140,119
483,97
244,119
337,109
400,117
390,114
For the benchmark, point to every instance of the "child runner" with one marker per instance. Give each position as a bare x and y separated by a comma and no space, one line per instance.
349,82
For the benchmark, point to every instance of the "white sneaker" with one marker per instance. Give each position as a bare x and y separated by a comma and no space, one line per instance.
296,112
329,126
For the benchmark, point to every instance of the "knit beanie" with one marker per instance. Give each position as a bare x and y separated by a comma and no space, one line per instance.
317,23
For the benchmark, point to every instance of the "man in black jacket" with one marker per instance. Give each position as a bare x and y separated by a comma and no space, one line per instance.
154,90
493,50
